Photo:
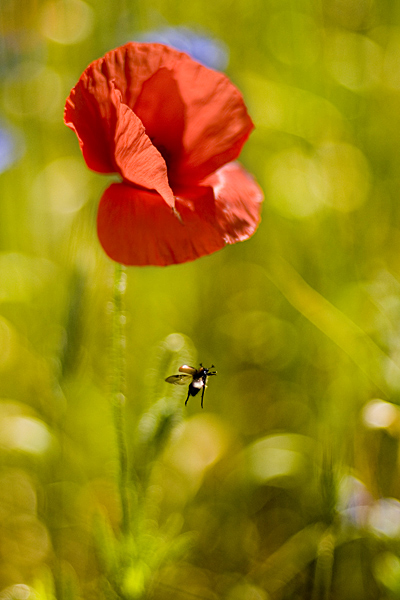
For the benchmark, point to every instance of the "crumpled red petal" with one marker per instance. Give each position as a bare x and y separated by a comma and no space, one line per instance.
211,119
216,121
148,169
85,113
160,107
122,144
238,200
135,226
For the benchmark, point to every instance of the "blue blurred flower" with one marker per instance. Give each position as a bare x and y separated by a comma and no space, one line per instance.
199,46
354,501
11,146
358,508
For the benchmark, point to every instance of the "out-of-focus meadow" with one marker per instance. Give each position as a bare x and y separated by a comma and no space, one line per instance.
287,484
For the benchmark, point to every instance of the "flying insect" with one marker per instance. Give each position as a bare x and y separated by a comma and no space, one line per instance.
196,378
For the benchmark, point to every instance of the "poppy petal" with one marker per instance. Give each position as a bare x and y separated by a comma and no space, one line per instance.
85,114
238,200
203,121
136,227
90,107
171,128
138,161
164,120
112,138
216,121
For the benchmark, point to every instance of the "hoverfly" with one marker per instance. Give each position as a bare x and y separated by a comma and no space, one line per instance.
197,379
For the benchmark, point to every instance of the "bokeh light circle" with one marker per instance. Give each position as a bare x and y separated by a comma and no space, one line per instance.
67,21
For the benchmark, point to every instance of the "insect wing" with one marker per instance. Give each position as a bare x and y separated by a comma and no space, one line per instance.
187,369
181,379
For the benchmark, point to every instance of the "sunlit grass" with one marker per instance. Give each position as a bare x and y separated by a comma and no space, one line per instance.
287,484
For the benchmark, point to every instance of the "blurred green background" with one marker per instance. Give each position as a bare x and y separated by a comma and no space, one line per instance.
286,485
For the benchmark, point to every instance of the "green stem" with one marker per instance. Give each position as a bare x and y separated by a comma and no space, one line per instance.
118,388
324,567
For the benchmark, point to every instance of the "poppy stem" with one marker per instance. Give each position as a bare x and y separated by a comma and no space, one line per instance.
118,388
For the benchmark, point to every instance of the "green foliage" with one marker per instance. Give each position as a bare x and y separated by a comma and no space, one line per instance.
286,485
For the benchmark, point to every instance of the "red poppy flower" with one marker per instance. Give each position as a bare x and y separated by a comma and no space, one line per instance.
170,127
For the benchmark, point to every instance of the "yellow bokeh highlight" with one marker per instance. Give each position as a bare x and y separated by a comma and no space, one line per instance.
301,113
379,414
354,60
67,21
347,173
199,443
294,184
300,184
62,186
24,434
33,91
279,460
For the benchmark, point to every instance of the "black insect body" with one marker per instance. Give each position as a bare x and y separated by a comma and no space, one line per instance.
197,379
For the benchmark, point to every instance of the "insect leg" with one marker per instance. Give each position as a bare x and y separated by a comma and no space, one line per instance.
202,395
187,396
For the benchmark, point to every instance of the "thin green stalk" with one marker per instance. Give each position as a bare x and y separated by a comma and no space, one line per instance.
324,567
118,388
